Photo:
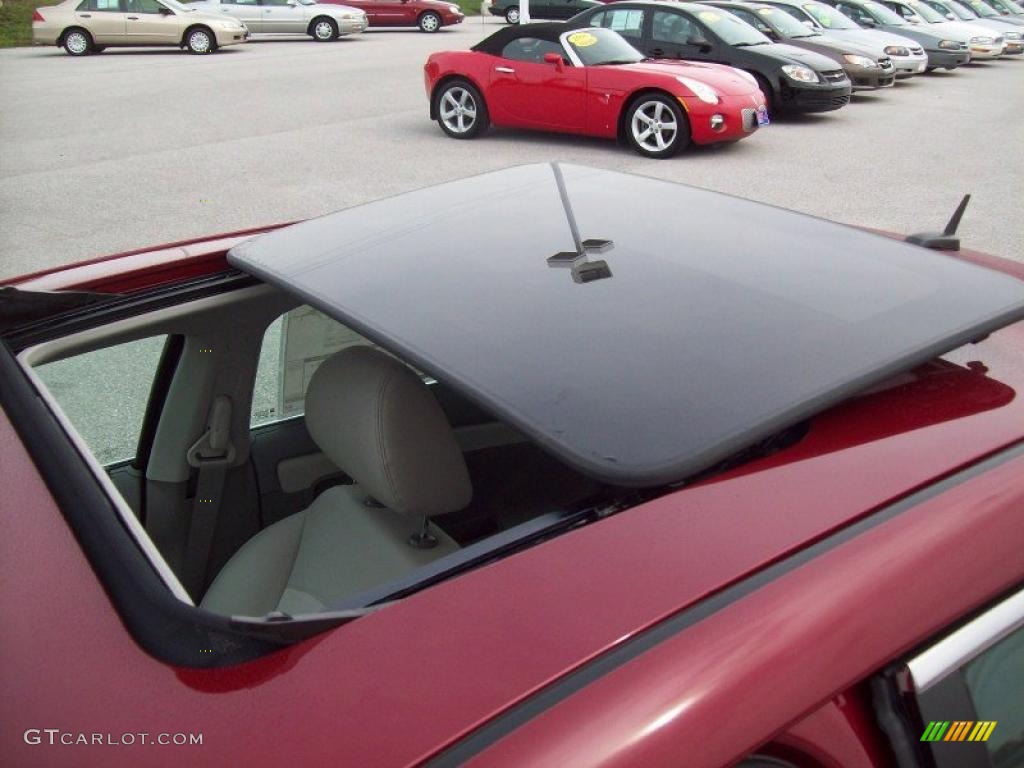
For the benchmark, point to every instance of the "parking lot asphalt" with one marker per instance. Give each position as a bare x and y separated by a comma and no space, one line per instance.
137,147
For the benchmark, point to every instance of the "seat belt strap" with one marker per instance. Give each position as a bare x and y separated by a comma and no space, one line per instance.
211,454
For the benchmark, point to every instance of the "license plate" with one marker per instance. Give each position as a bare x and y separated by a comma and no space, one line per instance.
762,116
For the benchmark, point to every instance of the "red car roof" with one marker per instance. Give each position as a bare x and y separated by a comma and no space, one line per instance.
398,685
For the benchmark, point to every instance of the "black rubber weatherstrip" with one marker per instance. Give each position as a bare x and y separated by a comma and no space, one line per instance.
518,715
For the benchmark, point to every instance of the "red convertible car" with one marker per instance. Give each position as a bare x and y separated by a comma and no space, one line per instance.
590,82
594,477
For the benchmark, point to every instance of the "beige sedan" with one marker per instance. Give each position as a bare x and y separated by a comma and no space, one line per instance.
88,26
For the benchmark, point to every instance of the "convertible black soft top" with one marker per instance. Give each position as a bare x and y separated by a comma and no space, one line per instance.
640,330
496,43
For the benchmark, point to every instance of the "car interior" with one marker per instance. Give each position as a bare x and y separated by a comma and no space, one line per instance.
296,467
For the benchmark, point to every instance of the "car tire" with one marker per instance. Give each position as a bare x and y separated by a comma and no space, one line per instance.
655,126
323,29
512,15
429,22
99,48
77,42
460,109
200,41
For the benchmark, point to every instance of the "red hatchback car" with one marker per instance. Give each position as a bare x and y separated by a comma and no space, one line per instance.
615,472
428,15
591,82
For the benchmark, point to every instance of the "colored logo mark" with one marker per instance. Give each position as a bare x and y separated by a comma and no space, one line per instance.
958,730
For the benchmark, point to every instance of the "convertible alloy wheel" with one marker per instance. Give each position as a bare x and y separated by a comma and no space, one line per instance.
77,42
461,110
657,127
324,30
199,41
512,15
430,22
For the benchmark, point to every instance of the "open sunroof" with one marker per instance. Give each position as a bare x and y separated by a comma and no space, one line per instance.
638,329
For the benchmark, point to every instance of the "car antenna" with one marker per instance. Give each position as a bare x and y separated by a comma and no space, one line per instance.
583,271
946,240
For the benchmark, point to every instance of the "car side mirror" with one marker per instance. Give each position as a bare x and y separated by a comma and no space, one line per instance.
869,22
164,11
700,42
554,58
808,23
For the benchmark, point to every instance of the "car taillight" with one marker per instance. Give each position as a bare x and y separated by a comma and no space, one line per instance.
37,16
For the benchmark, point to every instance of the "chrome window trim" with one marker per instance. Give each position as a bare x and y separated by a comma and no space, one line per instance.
967,643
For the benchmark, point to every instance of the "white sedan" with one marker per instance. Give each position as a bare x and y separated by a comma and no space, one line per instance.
320,21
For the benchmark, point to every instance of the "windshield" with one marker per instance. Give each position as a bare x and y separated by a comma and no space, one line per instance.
733,31
601,46
981,9
883,15
784,24
829,17
962,11
927,12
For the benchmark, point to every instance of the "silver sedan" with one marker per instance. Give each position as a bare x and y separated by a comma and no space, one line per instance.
320,21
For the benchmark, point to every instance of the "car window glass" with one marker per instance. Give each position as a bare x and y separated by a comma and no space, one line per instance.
752,20
105,6
293,347
109,418
530,49
854,13
144,6
627,22
672,28
796,13
995,680
274,2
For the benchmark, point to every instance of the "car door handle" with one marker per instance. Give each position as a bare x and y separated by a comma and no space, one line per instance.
507,70
134,18
85,15
657,51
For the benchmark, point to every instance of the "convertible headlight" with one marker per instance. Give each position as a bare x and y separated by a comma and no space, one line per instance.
454,9
897,50
800,73
229,25
860,61
1014,36
949,45
981,40
702,91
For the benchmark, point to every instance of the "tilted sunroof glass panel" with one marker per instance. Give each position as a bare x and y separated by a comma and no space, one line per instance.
693,325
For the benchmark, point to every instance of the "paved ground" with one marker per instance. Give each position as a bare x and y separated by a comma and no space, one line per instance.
132,148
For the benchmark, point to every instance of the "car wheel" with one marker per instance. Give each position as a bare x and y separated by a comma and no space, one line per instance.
512,15
77,42
460,110
656,126
430,22
769,94
324,30
200,40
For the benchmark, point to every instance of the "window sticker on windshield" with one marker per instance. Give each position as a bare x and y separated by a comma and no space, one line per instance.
582,39
308,337
708,16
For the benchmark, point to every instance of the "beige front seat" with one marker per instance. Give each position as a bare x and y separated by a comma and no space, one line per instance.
378,421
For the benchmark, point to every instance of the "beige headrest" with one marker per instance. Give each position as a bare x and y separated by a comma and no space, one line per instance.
377,420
